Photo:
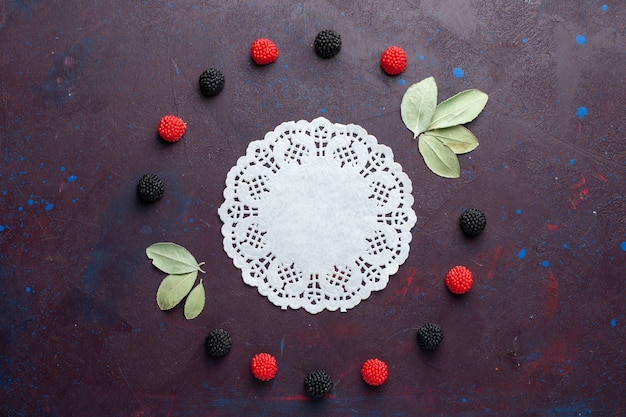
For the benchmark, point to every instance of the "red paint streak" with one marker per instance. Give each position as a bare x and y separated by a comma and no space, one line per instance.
580,183
495,258
599,176
552,295
555,361
552,227
494,262
405,289
583,193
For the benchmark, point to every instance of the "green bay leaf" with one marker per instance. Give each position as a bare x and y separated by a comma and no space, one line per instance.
172,258
438,157
174,288
458,109
458,138
418,105
195,302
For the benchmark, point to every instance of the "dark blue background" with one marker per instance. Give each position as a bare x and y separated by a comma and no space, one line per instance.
83,86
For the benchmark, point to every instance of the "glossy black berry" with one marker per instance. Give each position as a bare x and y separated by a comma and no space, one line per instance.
472,221
429,336
150,187
327,43
211,82
318,383
218,343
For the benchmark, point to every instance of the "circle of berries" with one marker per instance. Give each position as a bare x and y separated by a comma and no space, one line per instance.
374,372
263,51
171,128
459,280
393,60
263,366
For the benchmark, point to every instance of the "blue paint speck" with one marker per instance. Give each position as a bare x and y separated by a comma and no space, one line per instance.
62,169
49,206
613,322
545,264
28,289
72,178
581,39
524,40
322,110
581,112
2,228
401,82
422,57
572,161
458,72
623,246
518,212
565,246
191,220
604,7
464,400
522,254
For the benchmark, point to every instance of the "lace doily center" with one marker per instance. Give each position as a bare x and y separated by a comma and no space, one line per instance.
316,216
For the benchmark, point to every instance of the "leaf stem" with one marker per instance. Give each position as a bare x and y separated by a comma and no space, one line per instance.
200,269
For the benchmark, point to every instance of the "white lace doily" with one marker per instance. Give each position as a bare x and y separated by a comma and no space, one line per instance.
317,215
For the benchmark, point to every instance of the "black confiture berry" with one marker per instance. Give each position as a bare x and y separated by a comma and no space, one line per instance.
429,336
318,383
327,43
211,82
472,221
218,343
150,187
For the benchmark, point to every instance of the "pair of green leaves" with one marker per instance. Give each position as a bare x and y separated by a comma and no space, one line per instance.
438,127
182,270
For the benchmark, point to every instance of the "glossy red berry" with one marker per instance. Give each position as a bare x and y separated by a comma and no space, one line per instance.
263,366
171,128
393,61
459,280
374,372
263,51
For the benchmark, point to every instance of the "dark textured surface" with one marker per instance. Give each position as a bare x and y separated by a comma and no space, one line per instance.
83,86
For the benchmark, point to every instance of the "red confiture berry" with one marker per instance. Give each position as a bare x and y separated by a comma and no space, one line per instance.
374,372
393,60
263,366
459,280
171,128
263,51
